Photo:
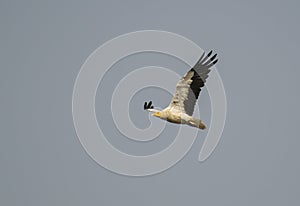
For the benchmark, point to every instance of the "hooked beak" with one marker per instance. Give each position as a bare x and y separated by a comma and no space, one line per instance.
156,114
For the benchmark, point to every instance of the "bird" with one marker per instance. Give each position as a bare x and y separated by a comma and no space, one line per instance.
188,88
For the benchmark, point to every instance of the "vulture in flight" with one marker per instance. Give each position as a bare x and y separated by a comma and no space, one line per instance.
181,107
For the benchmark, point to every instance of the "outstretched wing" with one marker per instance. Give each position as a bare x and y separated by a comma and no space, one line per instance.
188,87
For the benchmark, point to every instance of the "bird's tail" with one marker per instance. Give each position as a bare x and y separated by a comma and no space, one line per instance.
196,123
201,125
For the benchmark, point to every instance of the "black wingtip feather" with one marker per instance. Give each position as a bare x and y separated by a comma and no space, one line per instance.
212,63
209,53
203,61
213,57
148,105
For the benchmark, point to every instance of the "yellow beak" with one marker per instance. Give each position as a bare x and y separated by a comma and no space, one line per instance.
156,114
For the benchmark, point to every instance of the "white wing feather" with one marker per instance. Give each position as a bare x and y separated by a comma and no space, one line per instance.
181,94
189,86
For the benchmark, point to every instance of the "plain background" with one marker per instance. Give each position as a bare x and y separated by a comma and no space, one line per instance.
42,47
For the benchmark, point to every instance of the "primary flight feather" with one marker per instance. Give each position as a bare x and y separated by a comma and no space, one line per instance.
181,107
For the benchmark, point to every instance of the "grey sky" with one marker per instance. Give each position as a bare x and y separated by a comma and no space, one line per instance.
44,44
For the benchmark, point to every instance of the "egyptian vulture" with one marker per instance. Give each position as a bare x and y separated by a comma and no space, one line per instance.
181,107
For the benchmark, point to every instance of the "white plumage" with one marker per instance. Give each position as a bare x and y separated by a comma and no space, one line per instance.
181,107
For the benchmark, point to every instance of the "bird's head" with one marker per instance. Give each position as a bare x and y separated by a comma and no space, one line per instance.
157,114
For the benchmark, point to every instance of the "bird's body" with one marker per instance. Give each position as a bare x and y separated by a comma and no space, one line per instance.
174,116
188,88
